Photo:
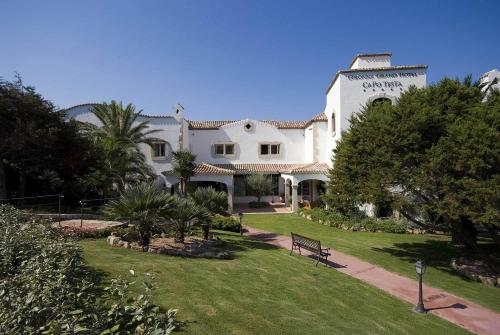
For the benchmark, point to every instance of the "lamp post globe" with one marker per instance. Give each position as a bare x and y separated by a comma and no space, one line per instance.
420,268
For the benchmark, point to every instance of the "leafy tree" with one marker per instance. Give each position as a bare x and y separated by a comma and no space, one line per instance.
39,151
214,201
118,137
143,205
433,156
183,167
259,185
185,213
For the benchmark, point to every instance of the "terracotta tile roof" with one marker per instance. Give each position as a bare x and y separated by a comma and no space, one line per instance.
244,168
215,124
97,104
247,168
205,169
308,168
320,117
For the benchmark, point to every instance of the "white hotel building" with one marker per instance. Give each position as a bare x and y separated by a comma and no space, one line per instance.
296,153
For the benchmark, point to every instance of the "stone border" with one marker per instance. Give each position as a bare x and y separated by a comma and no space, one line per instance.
206,249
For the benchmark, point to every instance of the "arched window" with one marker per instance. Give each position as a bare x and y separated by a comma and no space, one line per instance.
333,124
381,100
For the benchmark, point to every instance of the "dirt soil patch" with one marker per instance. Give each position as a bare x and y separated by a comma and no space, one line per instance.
89,224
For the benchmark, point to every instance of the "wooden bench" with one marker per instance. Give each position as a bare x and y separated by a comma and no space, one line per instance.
301,242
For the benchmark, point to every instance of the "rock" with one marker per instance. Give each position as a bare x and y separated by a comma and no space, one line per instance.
114,240
487,280
126,245
135,246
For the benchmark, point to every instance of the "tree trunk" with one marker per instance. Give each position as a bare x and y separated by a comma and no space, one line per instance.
21,191
493,231
3,181
468,234
179,236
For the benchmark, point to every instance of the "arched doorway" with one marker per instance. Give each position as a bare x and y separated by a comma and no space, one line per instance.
309,192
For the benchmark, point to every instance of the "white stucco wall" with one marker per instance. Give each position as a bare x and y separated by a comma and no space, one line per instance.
357,88
371,62
247,143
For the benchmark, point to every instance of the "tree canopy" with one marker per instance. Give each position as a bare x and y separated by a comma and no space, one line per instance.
40,153
433,156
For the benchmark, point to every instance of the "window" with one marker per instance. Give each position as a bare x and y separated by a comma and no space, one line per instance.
224,149
159,150
240,185
264,149
219,149
229,149
333,123
267,149
275,149
276,184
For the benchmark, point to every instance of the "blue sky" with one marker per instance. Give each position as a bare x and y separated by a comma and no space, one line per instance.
233,59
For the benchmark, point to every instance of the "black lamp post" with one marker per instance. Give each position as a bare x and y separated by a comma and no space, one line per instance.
60,196
420,268
82,203
240,215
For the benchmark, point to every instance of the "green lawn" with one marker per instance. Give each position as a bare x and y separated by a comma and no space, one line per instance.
395,252
263,290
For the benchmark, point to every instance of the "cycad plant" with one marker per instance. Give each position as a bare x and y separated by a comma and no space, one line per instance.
143,205
185,213
214,201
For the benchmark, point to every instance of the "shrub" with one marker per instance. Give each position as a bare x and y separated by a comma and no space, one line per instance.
357,223
46,288
214,201
228,223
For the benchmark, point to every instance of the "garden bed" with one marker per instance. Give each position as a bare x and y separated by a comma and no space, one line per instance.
192,247
88,224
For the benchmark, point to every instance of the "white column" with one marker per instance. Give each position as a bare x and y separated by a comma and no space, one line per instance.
287,194
230,194
295,200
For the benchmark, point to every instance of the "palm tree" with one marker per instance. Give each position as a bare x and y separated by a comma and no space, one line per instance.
118,122
183,167
184,214
143,205
118,139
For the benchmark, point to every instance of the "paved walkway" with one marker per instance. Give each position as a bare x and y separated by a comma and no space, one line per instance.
273,208
461,312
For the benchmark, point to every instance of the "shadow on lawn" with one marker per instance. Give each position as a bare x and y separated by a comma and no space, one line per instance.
237,244
435,253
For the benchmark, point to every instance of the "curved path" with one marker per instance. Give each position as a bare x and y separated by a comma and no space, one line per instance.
459,311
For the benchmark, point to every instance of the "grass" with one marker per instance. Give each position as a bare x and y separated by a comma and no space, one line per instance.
263,290
394,252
